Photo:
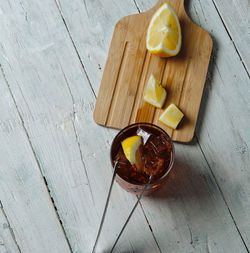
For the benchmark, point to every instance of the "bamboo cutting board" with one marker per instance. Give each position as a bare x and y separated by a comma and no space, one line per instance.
129,65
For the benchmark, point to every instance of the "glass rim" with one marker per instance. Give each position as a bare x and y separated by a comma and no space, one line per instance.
150,125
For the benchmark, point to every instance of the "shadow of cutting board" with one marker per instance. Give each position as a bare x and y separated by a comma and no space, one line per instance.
129,65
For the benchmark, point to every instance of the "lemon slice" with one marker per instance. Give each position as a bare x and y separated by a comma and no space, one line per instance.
154,93
171,116
164,32
131,149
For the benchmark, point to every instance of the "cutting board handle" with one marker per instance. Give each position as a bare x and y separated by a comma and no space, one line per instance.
173,3
160,2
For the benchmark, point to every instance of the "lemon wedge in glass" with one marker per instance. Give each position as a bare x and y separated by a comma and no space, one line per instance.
131,149
154,93
171,116
164,32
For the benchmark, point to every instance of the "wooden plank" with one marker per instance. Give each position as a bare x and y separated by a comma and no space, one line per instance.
189,214
236,17
227,104
25,201
56,104
118,89
7,238
203,194
95,27
223,124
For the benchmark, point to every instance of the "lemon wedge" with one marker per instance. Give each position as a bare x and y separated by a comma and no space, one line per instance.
154,93
164,32
171,116
131,149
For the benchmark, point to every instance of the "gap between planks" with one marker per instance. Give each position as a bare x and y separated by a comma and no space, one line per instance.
229,35
150,228
73,43
9,226
34,155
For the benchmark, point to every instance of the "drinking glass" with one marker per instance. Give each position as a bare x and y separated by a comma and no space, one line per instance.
158,157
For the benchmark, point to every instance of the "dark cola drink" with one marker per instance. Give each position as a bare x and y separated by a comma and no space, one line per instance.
157,153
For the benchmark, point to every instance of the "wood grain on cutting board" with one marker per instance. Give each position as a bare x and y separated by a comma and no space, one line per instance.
129,65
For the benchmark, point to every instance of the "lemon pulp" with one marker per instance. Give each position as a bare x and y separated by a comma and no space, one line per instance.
154,93
164,32
131,149
171,116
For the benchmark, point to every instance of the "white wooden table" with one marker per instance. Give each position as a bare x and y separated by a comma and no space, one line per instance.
54,160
